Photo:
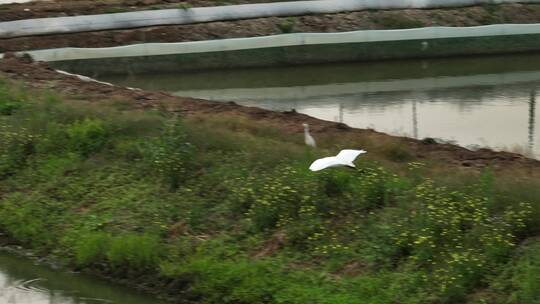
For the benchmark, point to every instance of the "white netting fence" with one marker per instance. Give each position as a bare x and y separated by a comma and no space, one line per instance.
297,39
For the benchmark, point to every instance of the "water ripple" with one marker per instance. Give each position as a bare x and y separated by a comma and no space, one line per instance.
29,286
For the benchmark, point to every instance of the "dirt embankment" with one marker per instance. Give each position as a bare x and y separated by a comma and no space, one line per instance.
39,75
468,16
62,8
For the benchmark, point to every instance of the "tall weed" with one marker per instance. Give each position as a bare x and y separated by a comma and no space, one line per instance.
171,155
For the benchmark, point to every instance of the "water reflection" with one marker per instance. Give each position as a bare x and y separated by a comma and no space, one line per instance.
415,120
23,282
532,116
489,101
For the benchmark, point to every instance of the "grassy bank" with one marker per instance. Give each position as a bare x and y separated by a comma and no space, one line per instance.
224,210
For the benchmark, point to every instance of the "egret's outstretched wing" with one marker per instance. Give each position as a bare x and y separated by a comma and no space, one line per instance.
324,163
348,155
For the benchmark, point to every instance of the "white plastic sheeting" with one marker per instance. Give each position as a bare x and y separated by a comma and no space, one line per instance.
85,78
153,49
44,26
15,1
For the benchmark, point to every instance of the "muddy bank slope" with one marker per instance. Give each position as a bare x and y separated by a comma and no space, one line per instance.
39,75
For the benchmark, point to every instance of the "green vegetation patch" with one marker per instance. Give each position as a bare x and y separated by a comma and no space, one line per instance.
224,210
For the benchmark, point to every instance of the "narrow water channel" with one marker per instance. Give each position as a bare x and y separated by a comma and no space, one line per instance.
24,282
474,101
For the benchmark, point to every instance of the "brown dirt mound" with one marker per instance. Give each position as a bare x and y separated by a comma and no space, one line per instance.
39,75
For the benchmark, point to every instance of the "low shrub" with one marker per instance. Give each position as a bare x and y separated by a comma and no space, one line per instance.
287,26
454,234
522,282
16,148
137,251
130,250
87,136
30,218
91,248
398,21
10,101
171,155
184,6
84,137
8,107
397,153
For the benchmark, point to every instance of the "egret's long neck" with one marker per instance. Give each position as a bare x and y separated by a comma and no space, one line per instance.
306,130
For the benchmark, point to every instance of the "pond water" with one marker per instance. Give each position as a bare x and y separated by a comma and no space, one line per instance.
473,101
24,282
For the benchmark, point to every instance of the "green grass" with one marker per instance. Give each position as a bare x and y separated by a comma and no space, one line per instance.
398,21
114,10
287,26
184,6
226,208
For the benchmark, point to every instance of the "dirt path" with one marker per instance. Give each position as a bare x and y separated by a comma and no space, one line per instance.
39,75
470,16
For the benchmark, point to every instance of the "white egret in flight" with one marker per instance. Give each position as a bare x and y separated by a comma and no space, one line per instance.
308,139
344,158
